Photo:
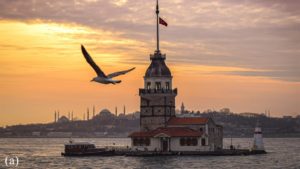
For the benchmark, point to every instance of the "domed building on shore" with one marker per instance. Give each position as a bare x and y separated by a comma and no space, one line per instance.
105,114
63,119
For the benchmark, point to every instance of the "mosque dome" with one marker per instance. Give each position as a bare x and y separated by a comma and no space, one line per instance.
63,119
105,113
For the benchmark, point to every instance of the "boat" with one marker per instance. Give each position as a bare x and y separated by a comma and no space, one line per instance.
85,149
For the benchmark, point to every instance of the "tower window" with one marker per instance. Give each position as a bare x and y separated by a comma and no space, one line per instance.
158,85
148,85
167,85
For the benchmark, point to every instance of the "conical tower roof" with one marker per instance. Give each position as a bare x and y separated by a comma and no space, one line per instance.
158,67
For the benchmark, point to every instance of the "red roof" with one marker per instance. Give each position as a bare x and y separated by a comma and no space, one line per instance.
170,131
187,120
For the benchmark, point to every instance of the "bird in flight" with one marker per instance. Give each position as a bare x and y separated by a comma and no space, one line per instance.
101,77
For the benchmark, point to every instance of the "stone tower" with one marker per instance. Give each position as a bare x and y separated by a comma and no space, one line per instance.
157,96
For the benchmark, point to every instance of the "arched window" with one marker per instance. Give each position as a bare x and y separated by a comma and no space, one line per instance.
158,85
167,86
148,85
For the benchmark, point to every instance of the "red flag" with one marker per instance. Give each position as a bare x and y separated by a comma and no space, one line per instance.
161,21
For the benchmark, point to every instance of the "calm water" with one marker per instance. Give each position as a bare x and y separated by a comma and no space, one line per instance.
45,153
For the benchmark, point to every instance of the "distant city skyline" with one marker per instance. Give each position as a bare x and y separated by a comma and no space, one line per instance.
222,54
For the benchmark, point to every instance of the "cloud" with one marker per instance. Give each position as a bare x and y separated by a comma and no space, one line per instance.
251,34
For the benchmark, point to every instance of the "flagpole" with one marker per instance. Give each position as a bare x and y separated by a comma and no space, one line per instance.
157,25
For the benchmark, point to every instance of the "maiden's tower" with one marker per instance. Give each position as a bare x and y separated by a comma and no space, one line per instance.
160,129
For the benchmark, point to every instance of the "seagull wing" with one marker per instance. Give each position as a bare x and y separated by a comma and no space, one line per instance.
89,59
119,73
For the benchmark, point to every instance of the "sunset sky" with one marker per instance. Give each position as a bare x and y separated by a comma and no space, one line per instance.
244,55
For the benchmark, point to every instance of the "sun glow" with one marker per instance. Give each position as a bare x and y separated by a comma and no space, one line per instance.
42,69
65,39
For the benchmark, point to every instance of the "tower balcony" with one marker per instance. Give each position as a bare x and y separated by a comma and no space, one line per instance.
158,91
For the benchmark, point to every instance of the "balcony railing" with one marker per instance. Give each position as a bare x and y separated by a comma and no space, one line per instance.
158,91
155,56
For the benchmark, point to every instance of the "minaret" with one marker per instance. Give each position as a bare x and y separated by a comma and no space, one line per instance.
124,110
116,111
157,104
88,114
258,139
72,116
55,116
93,111
182,108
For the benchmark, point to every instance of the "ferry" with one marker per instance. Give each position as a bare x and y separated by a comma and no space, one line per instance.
85,149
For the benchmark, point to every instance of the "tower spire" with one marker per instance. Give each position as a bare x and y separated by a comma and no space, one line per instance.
157,27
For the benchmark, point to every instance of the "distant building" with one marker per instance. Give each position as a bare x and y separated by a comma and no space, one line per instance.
136,115
63,119
225,110
250,114
105,114
187,114
59,134
287,117
36,133
182,111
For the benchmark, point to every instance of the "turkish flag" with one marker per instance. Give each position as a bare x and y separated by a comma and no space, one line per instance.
162,22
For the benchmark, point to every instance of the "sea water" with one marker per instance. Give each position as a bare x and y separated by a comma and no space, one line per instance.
283,153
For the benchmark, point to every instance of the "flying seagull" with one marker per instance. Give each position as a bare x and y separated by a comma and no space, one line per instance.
101,77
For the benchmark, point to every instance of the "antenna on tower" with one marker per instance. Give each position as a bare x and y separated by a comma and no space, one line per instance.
157,27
